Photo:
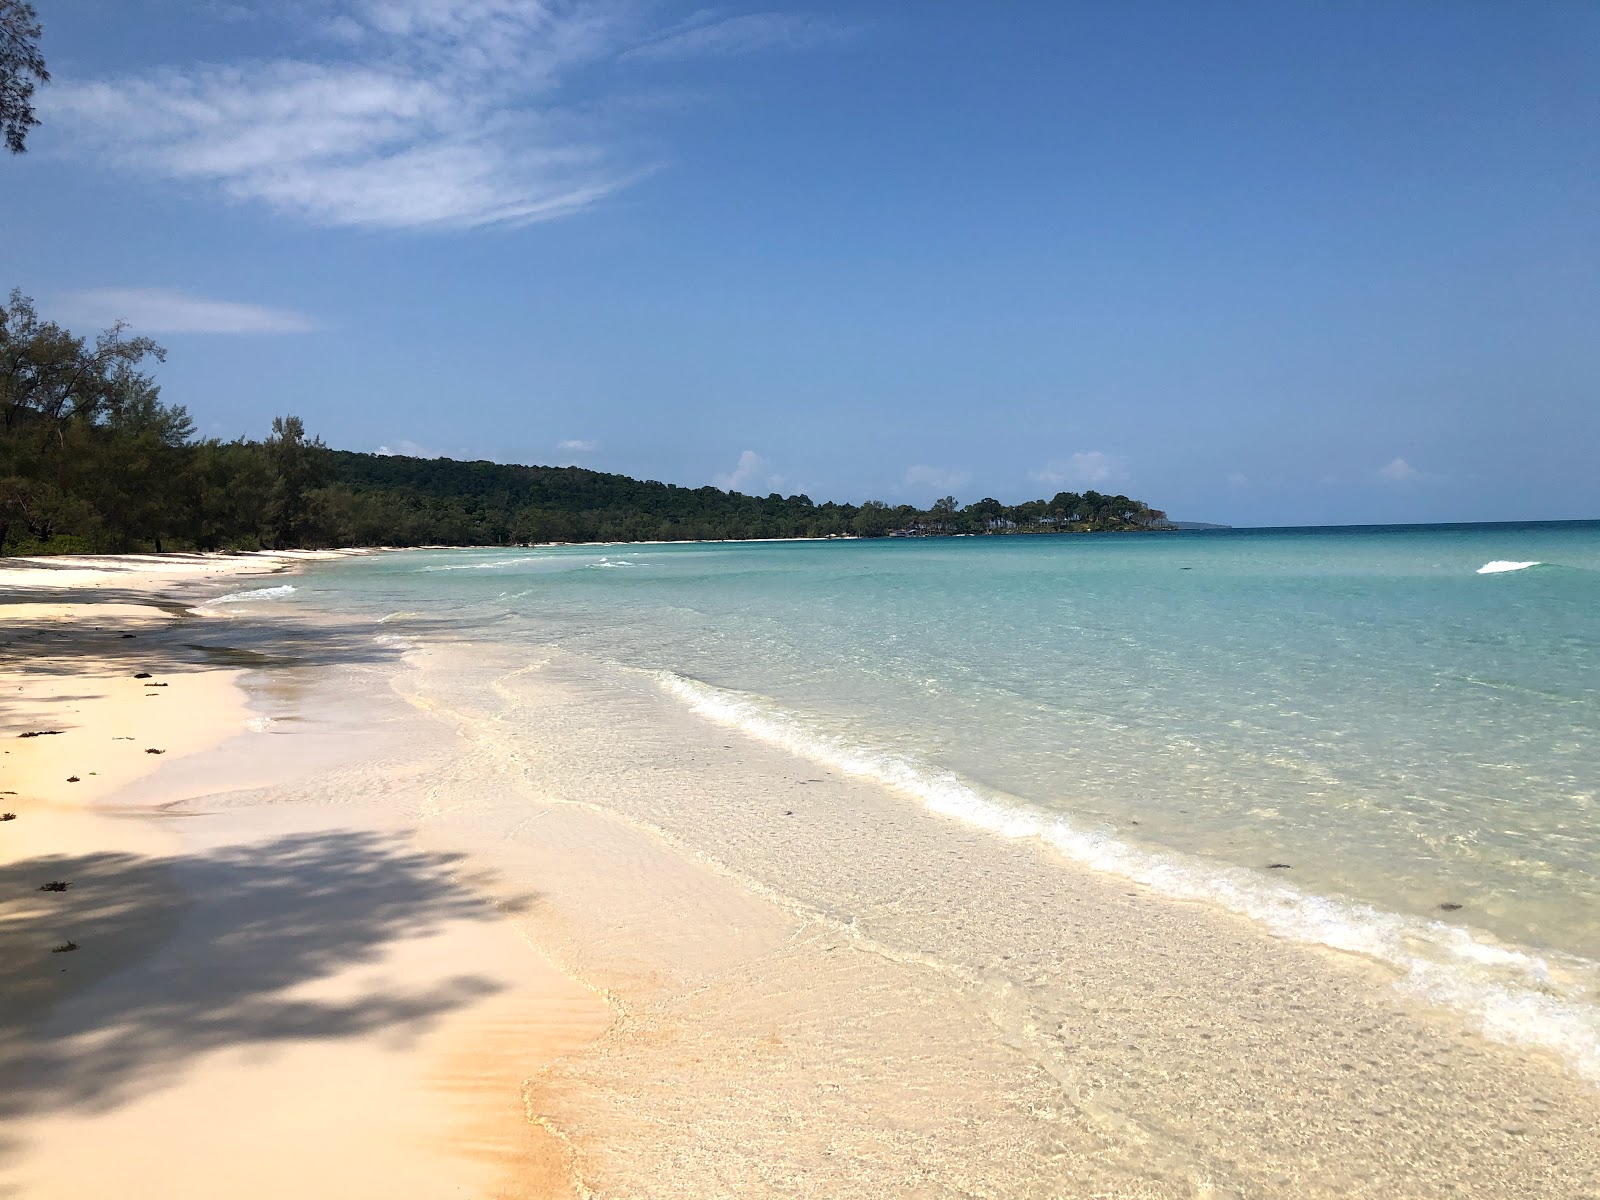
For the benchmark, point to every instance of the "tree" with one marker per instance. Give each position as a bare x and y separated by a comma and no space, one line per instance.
300,466
987,512
228,490
874,519
1064,507
1029,513
21,68
64,409
140,459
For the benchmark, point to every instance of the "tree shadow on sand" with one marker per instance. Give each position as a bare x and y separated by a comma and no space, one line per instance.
43,644
256,924
42,647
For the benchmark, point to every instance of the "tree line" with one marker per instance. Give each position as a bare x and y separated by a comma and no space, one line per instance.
92,460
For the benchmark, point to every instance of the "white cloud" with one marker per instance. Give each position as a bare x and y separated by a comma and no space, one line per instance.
1086,469
166,310
706,34
1398,470
407,449
750,472
578,446
1237,479
416,114
943,478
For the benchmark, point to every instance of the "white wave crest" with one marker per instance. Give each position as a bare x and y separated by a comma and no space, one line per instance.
486,566
606,563
1513,995
1500,566
252,595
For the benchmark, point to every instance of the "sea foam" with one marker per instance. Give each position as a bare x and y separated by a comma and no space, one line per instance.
1500,566
484,566
1511,994
252,595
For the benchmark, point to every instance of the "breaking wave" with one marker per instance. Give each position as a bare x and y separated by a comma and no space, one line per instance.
1510,993
252,595
485,566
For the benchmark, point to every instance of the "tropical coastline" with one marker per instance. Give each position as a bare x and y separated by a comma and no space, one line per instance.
519,922
759,602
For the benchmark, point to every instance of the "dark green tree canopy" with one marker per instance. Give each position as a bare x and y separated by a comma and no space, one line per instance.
21,69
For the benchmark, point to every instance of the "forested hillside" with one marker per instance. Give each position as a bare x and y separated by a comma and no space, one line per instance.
92,460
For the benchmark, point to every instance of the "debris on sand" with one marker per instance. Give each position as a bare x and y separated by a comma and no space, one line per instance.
155,751
65,948
55,885
40,733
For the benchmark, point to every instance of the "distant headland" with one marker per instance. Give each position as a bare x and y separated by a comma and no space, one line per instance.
91,460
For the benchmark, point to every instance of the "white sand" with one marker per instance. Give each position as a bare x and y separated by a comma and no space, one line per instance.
264,1001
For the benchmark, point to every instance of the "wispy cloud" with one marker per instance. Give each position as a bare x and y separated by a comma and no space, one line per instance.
578,446
1087,468
924,476
418,114
165,310
750,472
710,33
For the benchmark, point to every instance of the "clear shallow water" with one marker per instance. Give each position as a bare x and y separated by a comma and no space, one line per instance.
1405,733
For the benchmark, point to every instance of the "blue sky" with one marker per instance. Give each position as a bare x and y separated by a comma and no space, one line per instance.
1262,263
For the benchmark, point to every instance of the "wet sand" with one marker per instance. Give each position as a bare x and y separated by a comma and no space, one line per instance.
448,918
822,989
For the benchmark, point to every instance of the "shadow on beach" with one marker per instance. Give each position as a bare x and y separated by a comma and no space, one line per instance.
214,950
38,646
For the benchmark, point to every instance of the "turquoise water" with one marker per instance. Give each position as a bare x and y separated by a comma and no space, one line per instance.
1411,741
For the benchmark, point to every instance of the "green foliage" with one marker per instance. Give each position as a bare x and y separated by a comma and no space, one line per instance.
21,67
92,460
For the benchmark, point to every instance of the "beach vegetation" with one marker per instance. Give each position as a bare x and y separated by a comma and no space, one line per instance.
93,460
21,69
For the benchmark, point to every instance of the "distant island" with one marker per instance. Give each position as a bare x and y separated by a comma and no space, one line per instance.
91,460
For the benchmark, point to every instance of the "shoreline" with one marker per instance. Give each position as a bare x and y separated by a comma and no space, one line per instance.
549,932
921,996
371,1006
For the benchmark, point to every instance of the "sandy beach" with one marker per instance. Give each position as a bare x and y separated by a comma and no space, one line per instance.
427,916
258,1001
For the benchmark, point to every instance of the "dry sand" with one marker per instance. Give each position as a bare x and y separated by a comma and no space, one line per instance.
263,1001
